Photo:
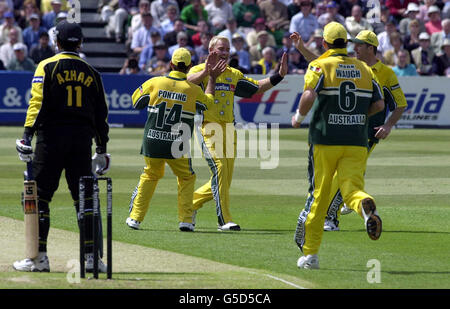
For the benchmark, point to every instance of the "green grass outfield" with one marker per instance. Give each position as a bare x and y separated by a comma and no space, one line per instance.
408,174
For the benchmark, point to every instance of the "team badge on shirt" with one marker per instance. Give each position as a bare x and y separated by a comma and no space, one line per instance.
38,79
315,69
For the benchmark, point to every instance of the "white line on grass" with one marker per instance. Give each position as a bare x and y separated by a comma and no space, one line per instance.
282,280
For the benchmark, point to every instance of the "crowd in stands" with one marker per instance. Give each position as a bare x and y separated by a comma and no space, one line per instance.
27,32
414,35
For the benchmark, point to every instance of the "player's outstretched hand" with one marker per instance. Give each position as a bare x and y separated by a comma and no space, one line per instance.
24,149
297,40
284,65
211,61
218,69
101,163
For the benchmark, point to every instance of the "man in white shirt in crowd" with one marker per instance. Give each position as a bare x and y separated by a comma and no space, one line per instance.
142,36
230,31
136,20
7,50
7,25
332,14
158,9
304,23
169,23
356,22
384,37
219,11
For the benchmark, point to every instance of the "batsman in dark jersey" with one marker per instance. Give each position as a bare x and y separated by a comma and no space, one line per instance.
66,111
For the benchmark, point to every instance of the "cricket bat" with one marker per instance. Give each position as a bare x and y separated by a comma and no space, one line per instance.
31,216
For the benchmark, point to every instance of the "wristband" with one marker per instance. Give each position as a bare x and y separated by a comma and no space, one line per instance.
298,118
275,79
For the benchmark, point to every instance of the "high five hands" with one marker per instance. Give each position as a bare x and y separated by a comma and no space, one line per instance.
214,65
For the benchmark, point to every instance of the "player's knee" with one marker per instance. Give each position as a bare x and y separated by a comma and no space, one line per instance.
187,179
44,196
151,175
43,206
191,177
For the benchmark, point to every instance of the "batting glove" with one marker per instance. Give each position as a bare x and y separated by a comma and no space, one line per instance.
24,149
101,163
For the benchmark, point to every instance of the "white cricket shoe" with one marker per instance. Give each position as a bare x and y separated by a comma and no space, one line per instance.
39,264
371,218
186,227
90,264
133,223
345,210
309,262
330,225
230,226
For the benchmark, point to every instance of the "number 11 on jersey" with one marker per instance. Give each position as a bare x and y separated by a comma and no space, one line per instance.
78,92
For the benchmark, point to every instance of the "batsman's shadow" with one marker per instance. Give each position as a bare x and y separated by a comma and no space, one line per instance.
214,231
268,231
244,232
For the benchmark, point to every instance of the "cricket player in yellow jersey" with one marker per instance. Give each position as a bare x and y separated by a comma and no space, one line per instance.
218,135
347,94
172,103
366,43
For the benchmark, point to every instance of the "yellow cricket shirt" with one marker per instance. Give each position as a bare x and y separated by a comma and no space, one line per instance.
230,83
170,100
345,89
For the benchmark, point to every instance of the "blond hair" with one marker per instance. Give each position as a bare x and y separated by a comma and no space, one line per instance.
395,36
413,22
216,39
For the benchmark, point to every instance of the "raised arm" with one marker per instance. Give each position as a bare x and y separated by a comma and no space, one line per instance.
214,72
267,83
300,45
198,77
